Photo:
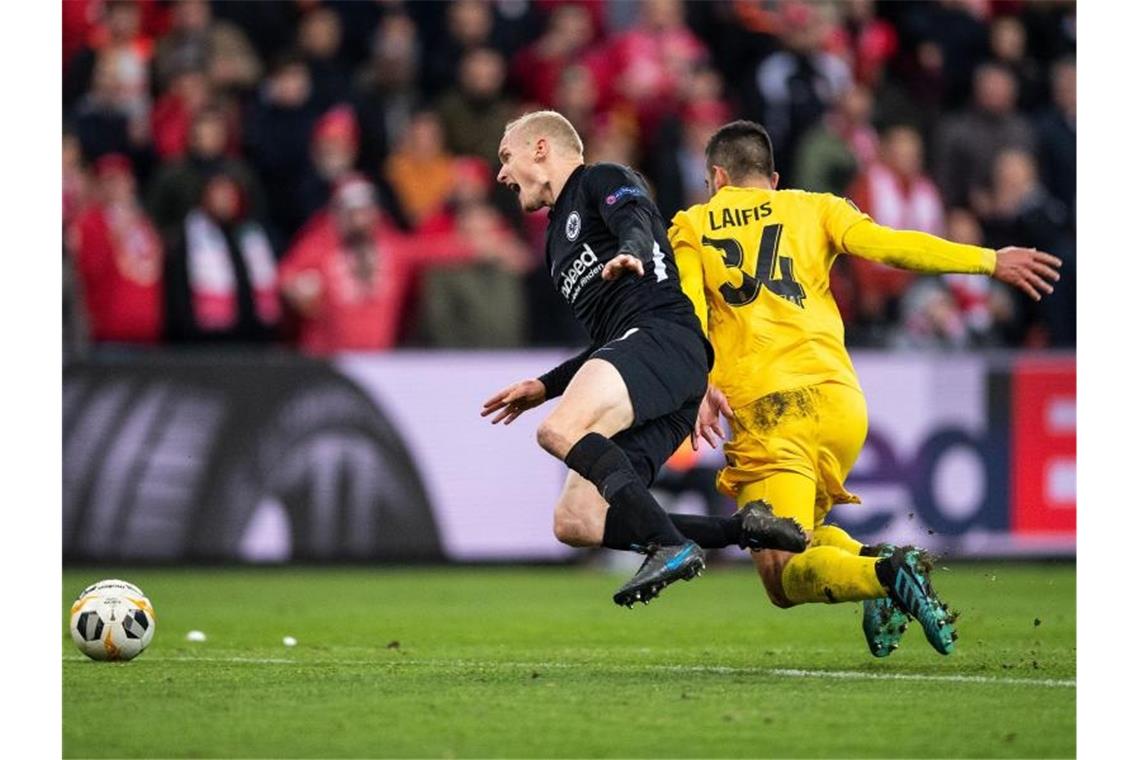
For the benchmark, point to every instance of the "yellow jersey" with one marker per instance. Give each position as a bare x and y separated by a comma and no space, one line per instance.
756,264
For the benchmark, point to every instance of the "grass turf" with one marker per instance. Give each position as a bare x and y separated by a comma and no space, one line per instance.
525,662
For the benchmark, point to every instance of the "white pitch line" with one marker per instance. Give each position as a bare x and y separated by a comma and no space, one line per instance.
848,675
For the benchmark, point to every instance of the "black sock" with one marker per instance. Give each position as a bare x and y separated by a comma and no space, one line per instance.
634,518
883,571
708,532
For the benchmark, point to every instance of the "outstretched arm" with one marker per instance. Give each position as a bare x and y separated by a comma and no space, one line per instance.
1030,270
515,399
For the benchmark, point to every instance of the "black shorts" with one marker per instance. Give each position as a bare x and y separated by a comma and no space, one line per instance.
665,367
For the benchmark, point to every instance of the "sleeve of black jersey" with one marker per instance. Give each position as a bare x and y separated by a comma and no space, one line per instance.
625,207
558,378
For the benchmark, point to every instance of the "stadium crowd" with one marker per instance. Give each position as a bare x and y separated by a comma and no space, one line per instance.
321,174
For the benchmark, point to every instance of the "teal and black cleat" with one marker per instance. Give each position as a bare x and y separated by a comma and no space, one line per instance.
883,622
662,566
760,529
910,588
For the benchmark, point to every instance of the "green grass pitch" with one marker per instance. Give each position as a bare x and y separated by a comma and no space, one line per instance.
538,662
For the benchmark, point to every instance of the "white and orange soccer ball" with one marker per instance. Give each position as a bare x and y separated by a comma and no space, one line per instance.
112,620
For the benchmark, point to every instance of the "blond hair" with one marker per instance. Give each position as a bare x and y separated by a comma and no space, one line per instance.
548,124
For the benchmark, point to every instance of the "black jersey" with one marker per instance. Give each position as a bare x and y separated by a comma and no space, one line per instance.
605,209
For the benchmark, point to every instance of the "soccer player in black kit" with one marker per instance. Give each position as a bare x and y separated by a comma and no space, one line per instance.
629,399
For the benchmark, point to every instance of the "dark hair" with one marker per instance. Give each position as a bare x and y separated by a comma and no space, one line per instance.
741,148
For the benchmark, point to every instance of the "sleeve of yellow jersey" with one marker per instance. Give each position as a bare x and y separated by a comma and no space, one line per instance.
852,231
687,253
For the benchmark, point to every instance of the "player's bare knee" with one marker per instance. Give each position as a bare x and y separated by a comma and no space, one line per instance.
554,439
770,566
775,590
569,529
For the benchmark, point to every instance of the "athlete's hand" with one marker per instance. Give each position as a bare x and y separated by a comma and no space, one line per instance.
622,263
1028,269
713,405
513,400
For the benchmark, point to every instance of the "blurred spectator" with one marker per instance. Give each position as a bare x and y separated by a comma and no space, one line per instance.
198,42
931,319
576,96
473,114
1051,28
1007,46
107,119
118,260
468,27
643,69
120,39
177,187
797,85
868,42
270,27
895,192
968,142
613,138
985,303
319,40
1021,212
953,32
478,303
221,275
420,170
335,145
277,137
844,142
76,185
174,112
386,92
537,70
1057,137
679,162
347,277
676,161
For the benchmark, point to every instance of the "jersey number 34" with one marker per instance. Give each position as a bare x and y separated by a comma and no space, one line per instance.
764,264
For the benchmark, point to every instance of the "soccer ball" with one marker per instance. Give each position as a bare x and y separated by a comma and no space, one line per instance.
112,620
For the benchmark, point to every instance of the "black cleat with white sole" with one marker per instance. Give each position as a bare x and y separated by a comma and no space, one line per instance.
662,566
761,529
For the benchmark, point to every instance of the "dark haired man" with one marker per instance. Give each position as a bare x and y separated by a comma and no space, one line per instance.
755,260
631,398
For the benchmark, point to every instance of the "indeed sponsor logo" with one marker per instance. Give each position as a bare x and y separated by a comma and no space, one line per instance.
574,271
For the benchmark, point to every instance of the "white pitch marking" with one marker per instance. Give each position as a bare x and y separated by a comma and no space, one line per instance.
717,669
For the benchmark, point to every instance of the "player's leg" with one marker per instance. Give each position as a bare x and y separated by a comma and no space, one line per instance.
580,514
649,445
648,373
905,572
595,407
819,574
833,535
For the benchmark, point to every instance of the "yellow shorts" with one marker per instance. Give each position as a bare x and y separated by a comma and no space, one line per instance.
794,449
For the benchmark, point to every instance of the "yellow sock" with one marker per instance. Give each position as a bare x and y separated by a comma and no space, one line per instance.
833,535
829,574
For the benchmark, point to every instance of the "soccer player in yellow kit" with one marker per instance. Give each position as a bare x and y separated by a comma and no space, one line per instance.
755,261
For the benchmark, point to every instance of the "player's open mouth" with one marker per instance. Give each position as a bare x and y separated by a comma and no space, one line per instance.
514,188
